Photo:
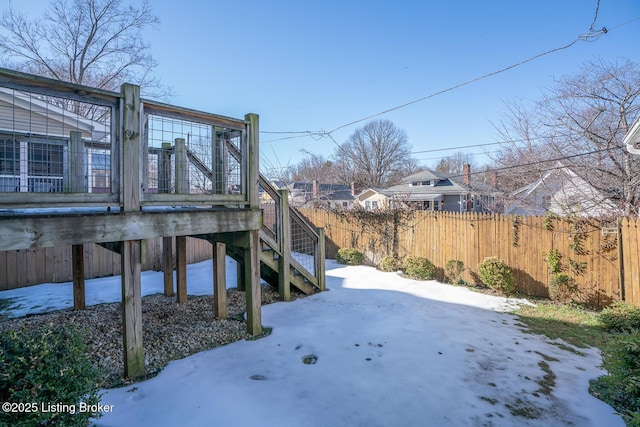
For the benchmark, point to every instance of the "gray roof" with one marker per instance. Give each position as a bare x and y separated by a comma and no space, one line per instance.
445,184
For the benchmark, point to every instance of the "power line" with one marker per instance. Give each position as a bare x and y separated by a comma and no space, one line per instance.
591,35
537,162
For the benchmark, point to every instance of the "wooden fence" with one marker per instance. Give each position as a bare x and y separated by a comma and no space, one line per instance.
32,266
603,260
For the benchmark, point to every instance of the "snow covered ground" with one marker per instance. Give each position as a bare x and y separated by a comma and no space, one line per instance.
375,350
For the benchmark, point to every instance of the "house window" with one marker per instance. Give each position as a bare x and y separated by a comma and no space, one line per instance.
45,167
9,166
100,176
31,166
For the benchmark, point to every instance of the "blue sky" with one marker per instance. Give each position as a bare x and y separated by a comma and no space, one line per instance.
315,66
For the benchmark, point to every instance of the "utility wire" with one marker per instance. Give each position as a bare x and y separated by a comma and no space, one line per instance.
591,35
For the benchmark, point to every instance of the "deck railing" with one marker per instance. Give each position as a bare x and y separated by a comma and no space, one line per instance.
287,232
62,145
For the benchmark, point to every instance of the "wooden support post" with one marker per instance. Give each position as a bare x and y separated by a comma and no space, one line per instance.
164,169
284,239
320,256
131,260
217,160
131,251
219,280
182,167
77,257
167,265
181,268
253,166
252,283
240,276
77,164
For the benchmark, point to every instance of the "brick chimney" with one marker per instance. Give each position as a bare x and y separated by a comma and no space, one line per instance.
466,171
315,188
494,179
353,188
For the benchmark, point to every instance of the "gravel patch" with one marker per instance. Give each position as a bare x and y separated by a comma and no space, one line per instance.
170,331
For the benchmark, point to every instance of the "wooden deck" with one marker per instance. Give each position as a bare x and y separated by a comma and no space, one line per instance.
151,186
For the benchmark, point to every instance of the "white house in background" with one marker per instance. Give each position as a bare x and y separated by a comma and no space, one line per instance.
34,152
632,138
563,192
435,191
372,198
316,194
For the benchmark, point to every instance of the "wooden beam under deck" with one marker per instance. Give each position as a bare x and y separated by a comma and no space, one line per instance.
39,231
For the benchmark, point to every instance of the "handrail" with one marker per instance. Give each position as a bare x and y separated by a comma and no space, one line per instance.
304,243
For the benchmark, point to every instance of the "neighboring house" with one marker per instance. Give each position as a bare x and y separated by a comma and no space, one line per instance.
563,192
632,138
315,194
372,198
437,191
34,153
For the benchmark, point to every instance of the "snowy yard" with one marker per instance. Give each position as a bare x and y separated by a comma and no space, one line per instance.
375,350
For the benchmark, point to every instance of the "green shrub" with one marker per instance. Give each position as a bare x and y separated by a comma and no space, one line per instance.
418,268
453,270
497,275
620,388
562,287
349,256
49,366
620,317
389,263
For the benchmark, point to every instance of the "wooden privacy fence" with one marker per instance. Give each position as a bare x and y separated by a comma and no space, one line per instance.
604,260
33,266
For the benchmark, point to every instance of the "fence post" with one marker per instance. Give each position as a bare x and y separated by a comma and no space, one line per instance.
620,262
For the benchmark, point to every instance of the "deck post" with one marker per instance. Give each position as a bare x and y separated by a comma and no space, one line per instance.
284,239
182,187
240,276
167,265
164,168
181,268
219,280
131,260
77,164
252,253
252,283
182,167
131,254
77,260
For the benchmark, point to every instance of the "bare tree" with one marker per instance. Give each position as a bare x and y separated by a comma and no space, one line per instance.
582,122
314,167
375,155
454,163
91,42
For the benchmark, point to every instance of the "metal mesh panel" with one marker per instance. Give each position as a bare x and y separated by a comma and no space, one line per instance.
269,203
303,245
53,144
189,157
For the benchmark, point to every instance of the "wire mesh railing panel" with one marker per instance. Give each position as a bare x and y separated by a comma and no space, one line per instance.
303,244
53,144
190,157
270,205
